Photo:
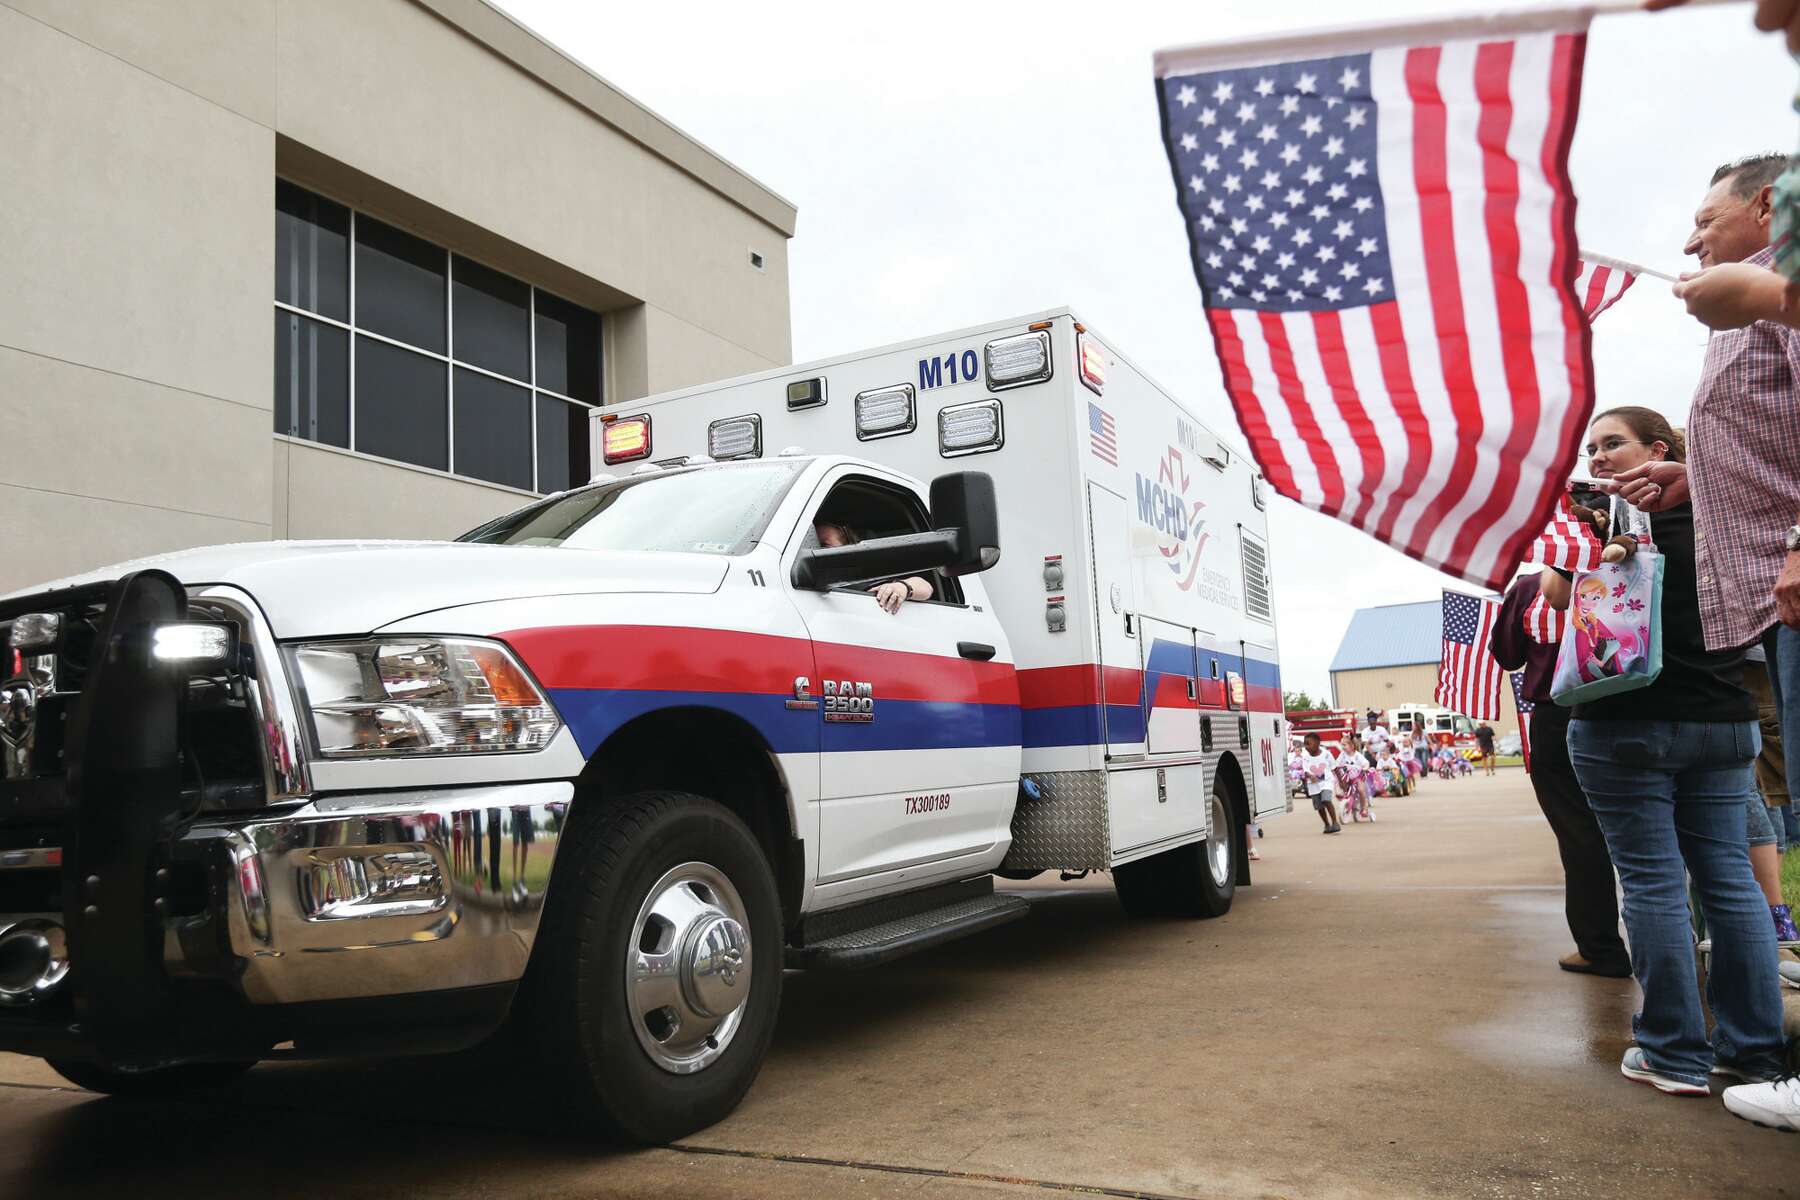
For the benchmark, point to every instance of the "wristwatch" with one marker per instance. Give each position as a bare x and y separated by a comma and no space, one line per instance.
1793,537
907,583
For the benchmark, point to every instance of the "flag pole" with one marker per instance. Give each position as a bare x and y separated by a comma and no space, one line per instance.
1619,264
1569,16
1604,8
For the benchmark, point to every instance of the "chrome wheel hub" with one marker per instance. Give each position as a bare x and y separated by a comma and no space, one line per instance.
1218,842
687,968
34,960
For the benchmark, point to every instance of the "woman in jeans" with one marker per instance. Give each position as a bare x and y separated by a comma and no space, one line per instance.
1668,772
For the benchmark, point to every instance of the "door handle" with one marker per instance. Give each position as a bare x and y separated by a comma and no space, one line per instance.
979,651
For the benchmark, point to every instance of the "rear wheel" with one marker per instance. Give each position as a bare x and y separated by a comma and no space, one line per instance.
657,972
1196,880
160,1081
1141,887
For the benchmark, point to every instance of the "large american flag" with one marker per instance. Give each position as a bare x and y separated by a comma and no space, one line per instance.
1468,675
1600,285
1382,226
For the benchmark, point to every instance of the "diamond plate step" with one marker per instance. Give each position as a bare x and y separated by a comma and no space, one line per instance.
889,940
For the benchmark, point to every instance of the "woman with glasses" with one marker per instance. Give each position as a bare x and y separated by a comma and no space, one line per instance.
1667,769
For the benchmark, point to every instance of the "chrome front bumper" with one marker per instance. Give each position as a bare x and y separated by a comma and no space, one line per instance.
380,895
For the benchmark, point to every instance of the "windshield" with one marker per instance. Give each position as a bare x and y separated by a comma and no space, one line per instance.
706,511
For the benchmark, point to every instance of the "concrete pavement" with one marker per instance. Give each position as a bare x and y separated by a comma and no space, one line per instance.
1380,1016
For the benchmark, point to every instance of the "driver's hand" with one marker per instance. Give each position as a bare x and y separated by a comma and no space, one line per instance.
890,595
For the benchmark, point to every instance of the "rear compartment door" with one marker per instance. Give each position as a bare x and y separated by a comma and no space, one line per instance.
1267,765
1115,600
1171,688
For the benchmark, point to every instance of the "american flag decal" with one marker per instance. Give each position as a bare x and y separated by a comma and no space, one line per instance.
1382,227
1103,439
1468,675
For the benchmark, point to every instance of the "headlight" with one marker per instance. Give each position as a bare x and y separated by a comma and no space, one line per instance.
411,695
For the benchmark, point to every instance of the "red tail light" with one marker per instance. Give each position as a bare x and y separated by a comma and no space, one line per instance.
1093,362
625,439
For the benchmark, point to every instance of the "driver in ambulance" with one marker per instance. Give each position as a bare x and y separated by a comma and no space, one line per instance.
891,594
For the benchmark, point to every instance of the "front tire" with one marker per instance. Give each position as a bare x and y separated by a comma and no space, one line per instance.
153,1084
656,977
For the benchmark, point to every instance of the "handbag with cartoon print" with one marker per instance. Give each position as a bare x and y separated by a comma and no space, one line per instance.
1613,640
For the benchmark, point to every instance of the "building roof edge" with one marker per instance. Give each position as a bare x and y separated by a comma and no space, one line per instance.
539,57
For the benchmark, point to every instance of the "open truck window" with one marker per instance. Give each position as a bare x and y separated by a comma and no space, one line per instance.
873,509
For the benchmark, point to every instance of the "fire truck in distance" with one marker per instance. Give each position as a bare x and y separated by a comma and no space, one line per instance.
1331,724
1441,726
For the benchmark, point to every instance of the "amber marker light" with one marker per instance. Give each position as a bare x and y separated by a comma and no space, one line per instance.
504,676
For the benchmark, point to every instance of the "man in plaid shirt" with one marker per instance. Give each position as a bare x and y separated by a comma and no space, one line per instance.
1743,477
1743,469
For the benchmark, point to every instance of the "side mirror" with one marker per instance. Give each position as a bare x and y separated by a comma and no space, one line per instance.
962,503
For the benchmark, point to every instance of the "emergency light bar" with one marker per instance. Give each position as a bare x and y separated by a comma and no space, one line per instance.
1017,361
625,439
885,412
970,428
193,641
735,437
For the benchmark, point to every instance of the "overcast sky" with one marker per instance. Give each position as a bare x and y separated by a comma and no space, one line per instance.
956,163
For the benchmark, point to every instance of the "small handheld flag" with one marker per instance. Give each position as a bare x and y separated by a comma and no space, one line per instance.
1468,675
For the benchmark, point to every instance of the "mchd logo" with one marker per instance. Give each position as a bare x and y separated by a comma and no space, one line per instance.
1165,505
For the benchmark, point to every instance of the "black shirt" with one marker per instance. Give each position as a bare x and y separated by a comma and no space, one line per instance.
1696,684
1513,646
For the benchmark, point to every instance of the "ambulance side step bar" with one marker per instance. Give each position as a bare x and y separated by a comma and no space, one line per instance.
871,934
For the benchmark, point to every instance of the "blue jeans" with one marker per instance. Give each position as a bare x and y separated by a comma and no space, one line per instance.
1781,646
1670,794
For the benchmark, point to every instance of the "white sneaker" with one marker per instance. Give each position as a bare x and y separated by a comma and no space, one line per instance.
1637,1068
1775,1105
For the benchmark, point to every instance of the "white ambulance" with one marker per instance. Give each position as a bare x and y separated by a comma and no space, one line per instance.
605,765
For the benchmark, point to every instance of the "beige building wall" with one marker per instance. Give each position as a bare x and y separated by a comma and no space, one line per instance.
141,145
1383,688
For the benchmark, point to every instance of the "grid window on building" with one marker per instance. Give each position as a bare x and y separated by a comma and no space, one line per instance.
390,345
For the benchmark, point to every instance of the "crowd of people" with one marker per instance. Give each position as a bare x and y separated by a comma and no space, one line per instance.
1661,783
1343,781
